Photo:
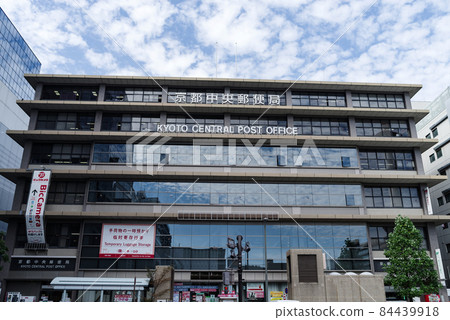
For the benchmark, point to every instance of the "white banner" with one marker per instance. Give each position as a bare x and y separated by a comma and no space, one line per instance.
127,241
34,216
428,200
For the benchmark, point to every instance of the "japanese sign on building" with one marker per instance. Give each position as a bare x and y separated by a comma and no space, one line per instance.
226,98
127,241
42,263
34,216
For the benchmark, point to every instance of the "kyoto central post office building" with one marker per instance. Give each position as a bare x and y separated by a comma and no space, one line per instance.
325,165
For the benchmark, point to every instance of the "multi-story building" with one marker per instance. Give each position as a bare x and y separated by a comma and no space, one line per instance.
16,59
436,161
286,165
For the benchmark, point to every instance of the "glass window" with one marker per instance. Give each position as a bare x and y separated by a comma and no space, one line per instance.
133,94
386,160
65,121
384,128
69,93
60,153
322,126
318,99
392,197
364,100
434,132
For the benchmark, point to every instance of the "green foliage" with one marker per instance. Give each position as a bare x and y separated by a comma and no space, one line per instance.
4,257
411,270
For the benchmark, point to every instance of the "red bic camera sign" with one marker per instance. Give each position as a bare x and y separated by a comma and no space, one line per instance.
34,216
127,241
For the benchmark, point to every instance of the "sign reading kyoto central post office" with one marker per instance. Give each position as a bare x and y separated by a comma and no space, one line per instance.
218,129
34,216
127,241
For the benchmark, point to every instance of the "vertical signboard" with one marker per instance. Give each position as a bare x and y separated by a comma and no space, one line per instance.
428,200
34,216
127,241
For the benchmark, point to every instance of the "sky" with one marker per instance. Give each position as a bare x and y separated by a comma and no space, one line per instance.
389,41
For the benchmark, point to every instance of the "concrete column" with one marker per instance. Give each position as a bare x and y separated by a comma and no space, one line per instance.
418,161
423,200
434,244
165,90
412,128
226,90
101,93
26,156
352,126
407,99
290,120
163,118
348,99
289,97
98,120
227,119
18,194
38,92
33,120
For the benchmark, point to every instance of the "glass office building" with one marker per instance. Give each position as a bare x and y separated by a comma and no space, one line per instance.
327,166
16,59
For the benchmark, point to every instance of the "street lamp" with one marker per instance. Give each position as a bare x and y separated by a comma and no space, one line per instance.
232,245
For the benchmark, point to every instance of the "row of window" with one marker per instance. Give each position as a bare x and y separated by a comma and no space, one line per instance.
225,155
434,132
270,194
210,155
225,193
438,155
211,96
379,236
391,101
445,197
392,197
137,122
203,246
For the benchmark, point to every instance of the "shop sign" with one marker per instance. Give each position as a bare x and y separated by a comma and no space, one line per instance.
42,263
34,215
276,295
127,241
255,290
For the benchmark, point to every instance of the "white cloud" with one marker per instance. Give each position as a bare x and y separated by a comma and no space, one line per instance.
396,40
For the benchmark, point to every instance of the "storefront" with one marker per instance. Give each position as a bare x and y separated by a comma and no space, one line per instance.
101,289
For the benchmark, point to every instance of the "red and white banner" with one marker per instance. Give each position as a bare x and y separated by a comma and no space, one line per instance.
255,290
34,216
127,241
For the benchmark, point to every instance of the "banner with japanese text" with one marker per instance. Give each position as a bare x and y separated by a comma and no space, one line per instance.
127,241
34,216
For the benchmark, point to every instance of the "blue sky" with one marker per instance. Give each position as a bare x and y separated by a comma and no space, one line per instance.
394,41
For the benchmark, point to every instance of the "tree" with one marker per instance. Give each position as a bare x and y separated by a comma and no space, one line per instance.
160,283
410,270
4,257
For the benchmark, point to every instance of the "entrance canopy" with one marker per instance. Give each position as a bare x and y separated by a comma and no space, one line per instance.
74,283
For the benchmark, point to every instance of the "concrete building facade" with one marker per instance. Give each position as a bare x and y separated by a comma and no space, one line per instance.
304,165
436,161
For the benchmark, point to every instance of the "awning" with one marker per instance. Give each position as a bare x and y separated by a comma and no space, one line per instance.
74,283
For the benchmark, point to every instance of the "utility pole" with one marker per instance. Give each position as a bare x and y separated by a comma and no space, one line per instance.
232,245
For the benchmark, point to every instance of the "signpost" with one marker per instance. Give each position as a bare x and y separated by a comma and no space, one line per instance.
37,198
127,241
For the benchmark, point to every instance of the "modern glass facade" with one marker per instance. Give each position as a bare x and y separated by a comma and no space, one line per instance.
16,58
